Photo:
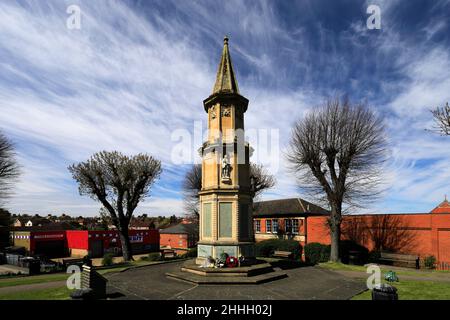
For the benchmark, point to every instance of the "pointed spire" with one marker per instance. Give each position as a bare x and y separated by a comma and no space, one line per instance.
225,79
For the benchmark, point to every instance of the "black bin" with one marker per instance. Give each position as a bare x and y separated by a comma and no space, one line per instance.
384,292
34,266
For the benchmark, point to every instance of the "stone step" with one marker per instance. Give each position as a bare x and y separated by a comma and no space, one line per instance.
226,280
247,271
230,272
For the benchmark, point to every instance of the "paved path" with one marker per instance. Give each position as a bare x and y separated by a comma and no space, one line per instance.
302,283
6,269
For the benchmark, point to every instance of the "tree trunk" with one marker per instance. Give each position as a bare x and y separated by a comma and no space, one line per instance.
126,244
335,227
335,238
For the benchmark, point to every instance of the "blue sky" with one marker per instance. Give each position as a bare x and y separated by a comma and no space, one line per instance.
136,73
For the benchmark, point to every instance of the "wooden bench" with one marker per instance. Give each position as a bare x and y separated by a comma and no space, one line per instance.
282,254
72,261
167,253
398,259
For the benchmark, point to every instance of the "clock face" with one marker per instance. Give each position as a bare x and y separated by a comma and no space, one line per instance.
226,111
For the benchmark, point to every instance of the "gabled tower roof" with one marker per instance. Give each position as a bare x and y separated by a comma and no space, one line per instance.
443,207
225,79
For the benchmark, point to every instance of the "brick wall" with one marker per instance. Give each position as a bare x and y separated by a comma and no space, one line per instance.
175,241
422,234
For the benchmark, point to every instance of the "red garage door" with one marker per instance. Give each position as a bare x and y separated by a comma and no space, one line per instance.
444,246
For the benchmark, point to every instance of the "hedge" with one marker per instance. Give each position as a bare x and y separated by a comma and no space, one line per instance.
266,248
347,246
107,259
317,252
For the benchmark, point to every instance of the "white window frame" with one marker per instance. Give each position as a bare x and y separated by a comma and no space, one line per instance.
275,221
269,222
288,222
295,229
258,226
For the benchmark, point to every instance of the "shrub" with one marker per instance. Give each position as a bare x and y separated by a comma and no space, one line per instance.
266,248
374,256
154,256
107,259
430,261
192,253
317,252
348,247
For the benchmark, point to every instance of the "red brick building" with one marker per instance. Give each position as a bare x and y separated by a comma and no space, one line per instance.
78,243
97,243
423,234
51,243
180,237
284,218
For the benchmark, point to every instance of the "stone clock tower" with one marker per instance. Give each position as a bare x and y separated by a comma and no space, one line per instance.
226,195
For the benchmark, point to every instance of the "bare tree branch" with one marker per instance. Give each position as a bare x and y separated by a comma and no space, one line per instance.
441,117
337,151
192,184
9,168
119,182
261,178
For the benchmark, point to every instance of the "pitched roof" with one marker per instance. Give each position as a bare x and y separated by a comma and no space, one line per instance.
293,206
443,207
181,228
55,226
225,79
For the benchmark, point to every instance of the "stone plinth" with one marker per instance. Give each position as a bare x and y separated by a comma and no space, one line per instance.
260,272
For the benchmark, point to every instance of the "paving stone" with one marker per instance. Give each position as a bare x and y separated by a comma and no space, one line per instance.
303,283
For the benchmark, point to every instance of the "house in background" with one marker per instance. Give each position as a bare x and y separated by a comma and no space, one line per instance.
284,218
30,222
180,237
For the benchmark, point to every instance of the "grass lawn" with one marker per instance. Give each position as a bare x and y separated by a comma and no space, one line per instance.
58,293
17,281
416,290
22,280
399,271
61,293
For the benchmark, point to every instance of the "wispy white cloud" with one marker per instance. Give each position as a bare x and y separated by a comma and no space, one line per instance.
132,75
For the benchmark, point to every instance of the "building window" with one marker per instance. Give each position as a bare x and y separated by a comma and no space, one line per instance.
274,225
295,226
287,225
257,226
268,226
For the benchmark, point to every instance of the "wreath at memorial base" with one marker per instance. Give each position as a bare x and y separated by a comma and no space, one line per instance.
232,262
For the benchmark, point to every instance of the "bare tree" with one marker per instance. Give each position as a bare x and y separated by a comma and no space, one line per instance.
9,169
119,182
337,151
5,222
261,179
441,117
192,184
